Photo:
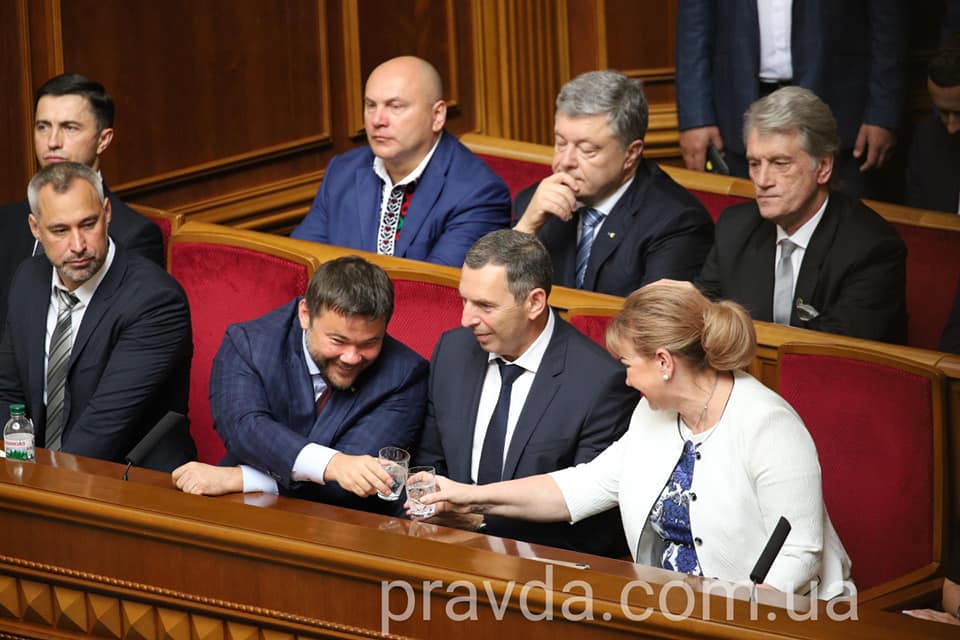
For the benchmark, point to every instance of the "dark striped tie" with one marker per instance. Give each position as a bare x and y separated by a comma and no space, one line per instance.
58,359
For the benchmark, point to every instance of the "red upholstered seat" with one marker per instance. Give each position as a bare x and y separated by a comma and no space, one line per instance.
933,269
518,174
225,284
592,326
715,203
878,426
422,311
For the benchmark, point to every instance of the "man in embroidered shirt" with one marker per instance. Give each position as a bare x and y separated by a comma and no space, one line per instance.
804,254
305,396
415,191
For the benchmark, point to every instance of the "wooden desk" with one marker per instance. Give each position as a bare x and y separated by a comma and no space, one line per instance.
83,553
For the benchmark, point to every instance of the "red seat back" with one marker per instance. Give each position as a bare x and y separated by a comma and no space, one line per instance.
878,426
518,174
225,284
422,311
715,203
592,326
933,269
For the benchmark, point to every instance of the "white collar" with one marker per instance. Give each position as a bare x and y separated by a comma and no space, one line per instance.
381,170
531,358
801,237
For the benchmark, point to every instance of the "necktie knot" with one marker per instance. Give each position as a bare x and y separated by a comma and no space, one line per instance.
787,248
508,372
66,299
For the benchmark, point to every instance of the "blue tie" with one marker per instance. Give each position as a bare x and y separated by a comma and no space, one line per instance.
589,219
491,456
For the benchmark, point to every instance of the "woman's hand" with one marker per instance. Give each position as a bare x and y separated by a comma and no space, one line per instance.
450,496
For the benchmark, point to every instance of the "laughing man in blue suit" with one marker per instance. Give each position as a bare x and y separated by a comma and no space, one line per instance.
306,395
415,192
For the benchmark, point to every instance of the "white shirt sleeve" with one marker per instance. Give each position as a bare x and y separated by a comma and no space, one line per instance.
254,480
311,463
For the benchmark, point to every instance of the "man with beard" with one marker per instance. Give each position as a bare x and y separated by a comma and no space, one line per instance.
305,396
98,345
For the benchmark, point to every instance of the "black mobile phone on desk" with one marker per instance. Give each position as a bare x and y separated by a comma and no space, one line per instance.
715,162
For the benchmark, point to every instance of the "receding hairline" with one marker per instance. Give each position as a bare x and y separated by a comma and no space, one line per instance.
71,185
416,68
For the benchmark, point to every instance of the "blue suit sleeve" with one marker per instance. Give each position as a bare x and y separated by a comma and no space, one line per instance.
315,225
241,412
888,57
485,209
696,32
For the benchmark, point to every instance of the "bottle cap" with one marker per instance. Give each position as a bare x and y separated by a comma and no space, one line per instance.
17,409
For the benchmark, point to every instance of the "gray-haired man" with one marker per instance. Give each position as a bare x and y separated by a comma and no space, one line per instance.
611,222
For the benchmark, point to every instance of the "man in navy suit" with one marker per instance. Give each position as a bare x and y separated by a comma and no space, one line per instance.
73,122
611,222
415,192
803,254
851,54
566,401
305,396
98,345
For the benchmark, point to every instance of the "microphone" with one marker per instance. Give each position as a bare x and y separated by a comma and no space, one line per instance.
159,430
770,551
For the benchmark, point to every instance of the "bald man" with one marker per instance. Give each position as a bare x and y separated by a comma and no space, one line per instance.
415,192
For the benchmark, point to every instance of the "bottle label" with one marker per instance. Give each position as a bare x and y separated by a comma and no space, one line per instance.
18,446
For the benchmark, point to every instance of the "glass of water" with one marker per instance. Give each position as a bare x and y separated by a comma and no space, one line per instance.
420,482
395,461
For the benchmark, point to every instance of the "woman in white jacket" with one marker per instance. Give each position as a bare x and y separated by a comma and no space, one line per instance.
711,461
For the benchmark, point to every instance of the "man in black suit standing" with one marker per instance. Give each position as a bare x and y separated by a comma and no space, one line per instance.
611,222
98,345
516,391
803,254
73,121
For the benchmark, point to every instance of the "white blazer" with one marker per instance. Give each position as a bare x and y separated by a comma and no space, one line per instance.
758,464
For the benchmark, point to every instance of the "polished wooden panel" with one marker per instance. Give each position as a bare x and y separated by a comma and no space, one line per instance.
16,118
84,552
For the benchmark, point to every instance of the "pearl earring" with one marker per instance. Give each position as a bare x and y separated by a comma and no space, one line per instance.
666,377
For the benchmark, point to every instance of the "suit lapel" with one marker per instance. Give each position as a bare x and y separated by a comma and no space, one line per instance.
37,306
425,195
758,264
545,386
303,411
614,228
99,304
813,257
366,207
471,382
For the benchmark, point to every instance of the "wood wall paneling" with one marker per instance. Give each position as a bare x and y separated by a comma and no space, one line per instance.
16,118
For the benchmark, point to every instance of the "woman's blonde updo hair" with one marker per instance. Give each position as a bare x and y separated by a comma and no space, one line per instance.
678,318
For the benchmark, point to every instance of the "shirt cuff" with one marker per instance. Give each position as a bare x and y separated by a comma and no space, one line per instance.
255,480
311,463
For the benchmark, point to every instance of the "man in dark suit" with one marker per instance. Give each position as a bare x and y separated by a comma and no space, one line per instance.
611,222
802,254
98,345
415,192
305,396
933,172
73,122
516,391
851,54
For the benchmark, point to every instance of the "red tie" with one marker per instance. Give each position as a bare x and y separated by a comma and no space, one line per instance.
323,398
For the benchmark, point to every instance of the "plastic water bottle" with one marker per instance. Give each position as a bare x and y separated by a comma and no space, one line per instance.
18,435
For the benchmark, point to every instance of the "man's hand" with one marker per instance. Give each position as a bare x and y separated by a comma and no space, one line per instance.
207,480
694,143
361,475
878,143
556,195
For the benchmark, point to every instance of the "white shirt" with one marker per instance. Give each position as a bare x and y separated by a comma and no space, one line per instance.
84,293
311,463
381,171
776,62
530,361
604,207
801,238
